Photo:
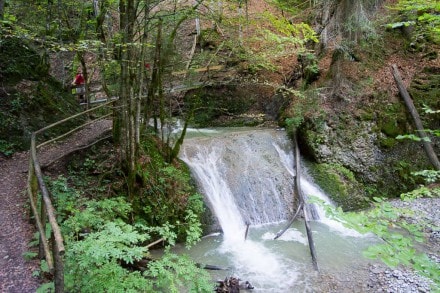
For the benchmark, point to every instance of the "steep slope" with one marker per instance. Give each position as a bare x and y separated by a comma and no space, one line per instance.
29,97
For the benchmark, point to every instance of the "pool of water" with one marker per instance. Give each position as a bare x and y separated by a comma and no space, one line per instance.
284,264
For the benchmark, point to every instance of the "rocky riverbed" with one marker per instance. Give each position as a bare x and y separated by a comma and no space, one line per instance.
426,213
377,277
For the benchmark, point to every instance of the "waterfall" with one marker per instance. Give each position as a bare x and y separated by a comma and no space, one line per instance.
247,176
244,176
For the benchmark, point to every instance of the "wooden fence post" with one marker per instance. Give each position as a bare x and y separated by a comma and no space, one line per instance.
59,267
47,211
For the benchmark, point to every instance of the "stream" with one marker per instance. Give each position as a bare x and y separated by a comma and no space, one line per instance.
247,177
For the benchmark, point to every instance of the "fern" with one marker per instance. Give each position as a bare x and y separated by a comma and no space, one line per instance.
92,265
172,273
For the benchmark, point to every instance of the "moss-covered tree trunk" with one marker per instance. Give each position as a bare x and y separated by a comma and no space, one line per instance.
2,7
127,104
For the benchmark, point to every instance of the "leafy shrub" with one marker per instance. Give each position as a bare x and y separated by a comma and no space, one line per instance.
424,14
92,265
172,273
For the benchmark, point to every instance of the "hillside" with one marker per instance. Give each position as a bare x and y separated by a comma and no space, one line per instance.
30,98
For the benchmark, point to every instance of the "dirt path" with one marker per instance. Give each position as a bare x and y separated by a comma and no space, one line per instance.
15,229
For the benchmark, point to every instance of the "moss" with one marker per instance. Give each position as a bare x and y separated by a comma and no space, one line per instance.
388,142
19,61
340,184
390,128
29,99
366,115
392,120
166,192
425,91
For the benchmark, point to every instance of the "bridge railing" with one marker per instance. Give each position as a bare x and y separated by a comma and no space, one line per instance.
42,207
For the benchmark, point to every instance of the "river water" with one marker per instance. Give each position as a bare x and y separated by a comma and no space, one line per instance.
247,177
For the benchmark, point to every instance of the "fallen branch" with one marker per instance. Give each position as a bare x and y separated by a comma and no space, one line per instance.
302,200
247,230
300,207
416,119
155,242
211,267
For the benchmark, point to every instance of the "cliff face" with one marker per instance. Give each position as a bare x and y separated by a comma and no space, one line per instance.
361,112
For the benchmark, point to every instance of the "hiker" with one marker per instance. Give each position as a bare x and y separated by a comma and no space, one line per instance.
79,83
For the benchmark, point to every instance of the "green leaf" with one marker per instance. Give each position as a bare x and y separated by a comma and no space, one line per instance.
390,261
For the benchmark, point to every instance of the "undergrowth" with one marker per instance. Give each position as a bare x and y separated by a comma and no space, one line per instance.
107,236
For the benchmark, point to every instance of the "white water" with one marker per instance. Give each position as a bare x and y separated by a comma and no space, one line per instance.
248,177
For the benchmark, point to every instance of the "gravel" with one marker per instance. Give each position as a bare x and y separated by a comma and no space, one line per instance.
384,279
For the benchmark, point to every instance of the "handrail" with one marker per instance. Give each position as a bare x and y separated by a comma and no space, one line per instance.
35,184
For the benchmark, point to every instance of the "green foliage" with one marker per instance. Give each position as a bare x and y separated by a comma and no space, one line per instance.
169,200
173,273
413,137
94,215
420,192
292,6
7,148
424,14
93,264
309,66
28,255
430,176
284,38
299,33
168,196
114,241
64,198
46,288
104,235
293,123
303,103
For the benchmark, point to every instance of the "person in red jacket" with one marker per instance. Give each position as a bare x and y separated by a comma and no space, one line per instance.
80,84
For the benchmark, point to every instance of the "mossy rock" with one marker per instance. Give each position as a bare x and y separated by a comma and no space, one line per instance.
388,142
340,184
392,120
30,98
391,128
20,61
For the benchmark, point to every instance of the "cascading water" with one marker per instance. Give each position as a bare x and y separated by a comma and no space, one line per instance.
240,177
247,176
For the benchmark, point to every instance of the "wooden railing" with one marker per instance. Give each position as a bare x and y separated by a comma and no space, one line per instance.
42,207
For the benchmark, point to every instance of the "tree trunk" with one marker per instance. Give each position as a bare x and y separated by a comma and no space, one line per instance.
302,199
128,144
2,7
86,77
416,118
